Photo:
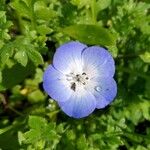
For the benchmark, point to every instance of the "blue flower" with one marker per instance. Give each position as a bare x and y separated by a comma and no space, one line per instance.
81,79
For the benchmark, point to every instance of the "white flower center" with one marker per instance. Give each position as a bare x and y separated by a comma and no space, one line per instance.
77,80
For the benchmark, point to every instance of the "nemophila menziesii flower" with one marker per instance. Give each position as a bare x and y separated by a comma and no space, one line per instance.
80,79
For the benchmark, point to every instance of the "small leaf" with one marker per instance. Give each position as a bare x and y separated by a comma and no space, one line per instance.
21,137
145,57
102,4
43,29
113,50
21,57
35,56
37,122
6,52
81,3
36,96
90,34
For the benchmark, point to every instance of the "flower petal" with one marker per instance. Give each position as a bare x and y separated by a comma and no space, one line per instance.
79,106
105,91
55,85
68,57
98,61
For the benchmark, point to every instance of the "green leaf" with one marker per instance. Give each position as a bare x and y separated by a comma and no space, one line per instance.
21,137
21,7
37,122
81,3
9,141
45,14
31,136
5,129
102,4
36,96
43,29
145,57
39,131
82,143
21,57
113,50
49,133
2,14
90,34
16,74
35,56
6,52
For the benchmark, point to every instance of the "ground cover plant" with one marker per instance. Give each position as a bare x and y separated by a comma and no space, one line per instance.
30,33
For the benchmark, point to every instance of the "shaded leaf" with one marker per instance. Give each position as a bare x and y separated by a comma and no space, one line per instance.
16,74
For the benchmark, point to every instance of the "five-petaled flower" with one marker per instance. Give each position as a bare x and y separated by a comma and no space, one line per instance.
81,79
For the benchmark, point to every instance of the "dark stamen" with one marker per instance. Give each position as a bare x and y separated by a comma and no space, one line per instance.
73,86
83,73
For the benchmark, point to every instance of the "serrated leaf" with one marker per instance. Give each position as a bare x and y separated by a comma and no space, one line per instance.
36,122
35,56
49,133
21,7
32,136
90,34
40,130
21,57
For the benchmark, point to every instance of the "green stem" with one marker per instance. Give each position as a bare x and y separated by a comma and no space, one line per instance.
33,19
132,55
2,98
20,23
14,110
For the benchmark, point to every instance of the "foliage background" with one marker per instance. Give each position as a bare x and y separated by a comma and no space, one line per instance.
30,32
